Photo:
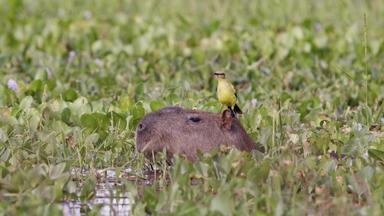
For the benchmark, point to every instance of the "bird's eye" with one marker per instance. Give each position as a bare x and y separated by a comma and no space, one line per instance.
194,119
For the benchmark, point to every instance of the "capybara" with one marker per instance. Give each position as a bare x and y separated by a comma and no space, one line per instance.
184,131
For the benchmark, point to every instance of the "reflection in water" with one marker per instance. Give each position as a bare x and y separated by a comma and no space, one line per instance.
108,199
109,205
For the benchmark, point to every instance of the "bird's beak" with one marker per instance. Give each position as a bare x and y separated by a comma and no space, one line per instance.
218,74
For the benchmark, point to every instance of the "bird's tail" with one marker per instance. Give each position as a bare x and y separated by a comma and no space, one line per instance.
237,109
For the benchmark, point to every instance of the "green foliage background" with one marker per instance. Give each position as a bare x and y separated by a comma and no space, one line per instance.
309,76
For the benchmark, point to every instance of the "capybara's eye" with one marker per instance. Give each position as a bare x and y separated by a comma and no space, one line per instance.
141,127
195,119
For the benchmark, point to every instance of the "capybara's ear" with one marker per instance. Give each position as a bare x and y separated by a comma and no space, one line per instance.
226,119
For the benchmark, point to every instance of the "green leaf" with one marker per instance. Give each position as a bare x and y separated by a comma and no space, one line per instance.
125,103
137,113
91,139
94,121
150,198
70,95
259,173
376,154
26,103
367,173
51,84
66,115
155,105
56,170
88,189
222,203
118,120
71,187
36,85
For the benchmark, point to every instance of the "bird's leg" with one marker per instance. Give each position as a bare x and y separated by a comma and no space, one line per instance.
232,111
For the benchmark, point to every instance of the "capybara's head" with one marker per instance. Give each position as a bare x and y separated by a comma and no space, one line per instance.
184,131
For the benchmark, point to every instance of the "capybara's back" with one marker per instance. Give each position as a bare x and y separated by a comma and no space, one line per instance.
184,131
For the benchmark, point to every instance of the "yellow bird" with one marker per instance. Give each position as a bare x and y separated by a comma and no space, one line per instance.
226,93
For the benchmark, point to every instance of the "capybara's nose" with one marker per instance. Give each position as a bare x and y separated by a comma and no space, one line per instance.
140,127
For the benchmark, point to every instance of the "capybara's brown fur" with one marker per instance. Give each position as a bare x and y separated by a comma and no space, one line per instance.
184,131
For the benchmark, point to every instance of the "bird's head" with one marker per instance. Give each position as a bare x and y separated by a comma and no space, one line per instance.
219,75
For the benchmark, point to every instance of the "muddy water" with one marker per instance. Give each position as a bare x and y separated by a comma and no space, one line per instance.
108,199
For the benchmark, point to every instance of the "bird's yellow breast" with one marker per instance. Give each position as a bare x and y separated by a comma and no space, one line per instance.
226,93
